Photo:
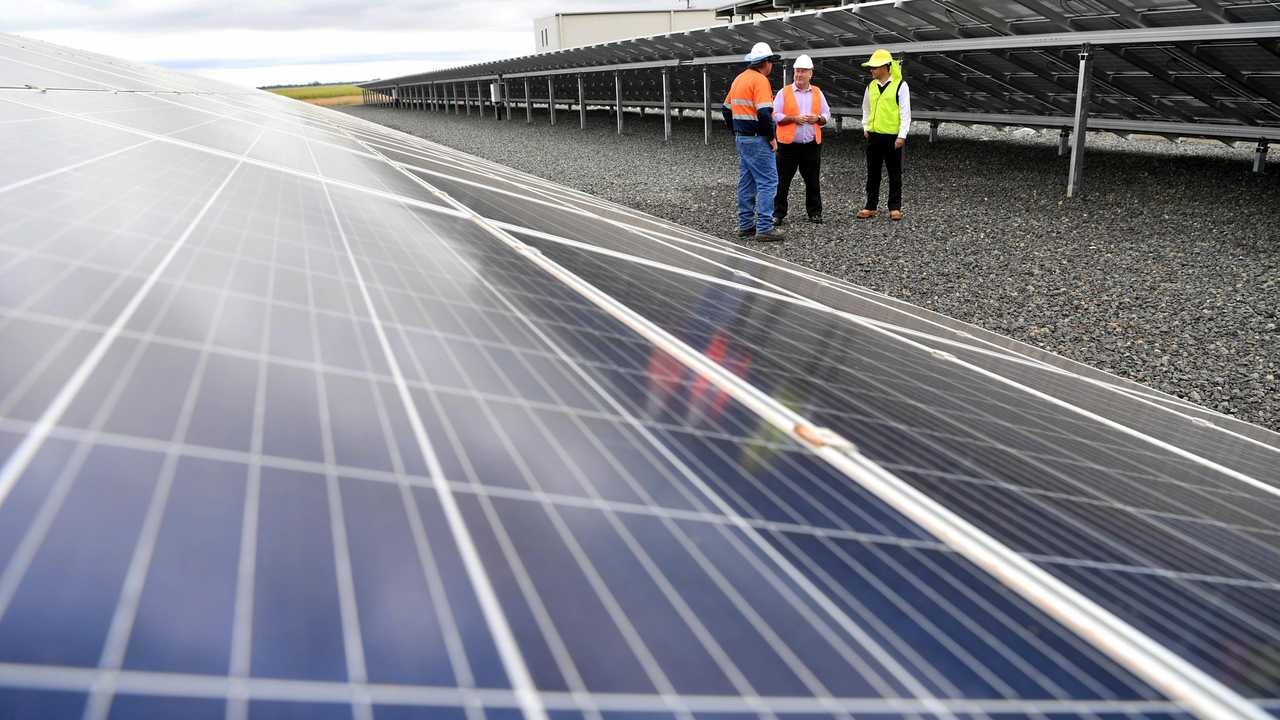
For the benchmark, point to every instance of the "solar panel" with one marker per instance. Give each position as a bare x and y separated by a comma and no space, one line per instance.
305,417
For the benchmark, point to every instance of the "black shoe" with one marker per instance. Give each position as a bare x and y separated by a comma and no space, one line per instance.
770,235
746,232
816,219
779,221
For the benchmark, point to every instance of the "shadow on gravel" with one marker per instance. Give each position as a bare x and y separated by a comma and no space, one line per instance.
1166,270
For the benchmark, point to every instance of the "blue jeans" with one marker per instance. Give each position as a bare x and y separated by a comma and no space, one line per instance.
757,183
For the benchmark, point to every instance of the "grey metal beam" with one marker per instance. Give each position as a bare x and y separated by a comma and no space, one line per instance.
528,103
466,97
582,106
706,106
1260,157
1114,125
551,99
666,105
617,91
1084,87
933,131
506,95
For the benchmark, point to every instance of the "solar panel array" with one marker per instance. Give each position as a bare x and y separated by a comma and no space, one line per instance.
304,417
1210,67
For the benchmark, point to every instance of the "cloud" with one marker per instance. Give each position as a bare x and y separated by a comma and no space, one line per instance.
286,57
271,42
142,16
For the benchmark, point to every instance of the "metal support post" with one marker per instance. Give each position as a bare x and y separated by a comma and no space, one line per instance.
1064,142
528,103
1260,157
495,91
551,97
466,97
784,76
666,105
617,98
506,95
706,106
933,131
1084,92
582,106
479,101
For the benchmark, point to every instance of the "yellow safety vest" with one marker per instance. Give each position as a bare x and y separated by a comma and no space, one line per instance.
885,115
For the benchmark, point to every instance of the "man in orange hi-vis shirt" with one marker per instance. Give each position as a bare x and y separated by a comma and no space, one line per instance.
748,111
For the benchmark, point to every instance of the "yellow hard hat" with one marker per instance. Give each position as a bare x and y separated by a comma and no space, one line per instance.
878,58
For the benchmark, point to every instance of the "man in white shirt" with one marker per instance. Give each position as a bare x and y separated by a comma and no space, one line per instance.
886,118
799,111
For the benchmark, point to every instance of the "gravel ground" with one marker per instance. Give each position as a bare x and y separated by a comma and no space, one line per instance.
1166,270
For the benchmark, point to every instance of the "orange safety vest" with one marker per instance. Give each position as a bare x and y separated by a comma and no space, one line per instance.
790,106
749,93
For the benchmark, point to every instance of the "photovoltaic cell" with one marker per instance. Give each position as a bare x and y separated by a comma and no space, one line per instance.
279,420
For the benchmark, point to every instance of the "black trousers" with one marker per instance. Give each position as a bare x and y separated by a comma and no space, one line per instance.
807,157
881,152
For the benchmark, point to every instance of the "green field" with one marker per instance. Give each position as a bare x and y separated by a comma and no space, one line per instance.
317,92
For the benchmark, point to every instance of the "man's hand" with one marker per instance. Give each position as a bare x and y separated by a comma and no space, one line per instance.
773,145
866,134
899,143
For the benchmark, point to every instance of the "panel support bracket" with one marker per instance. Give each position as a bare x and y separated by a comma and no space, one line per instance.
1084,91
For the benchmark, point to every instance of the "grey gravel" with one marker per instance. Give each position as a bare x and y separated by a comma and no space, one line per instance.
1166,270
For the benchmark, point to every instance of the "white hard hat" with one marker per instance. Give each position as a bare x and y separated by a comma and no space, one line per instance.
761,52
804,62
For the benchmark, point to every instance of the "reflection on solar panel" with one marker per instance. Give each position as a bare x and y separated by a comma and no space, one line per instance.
303,417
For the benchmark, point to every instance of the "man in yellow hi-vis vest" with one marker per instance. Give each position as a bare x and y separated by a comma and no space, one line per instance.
800,111
886,117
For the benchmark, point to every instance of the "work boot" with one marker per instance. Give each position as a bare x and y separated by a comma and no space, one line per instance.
770,235
895,214
779,221
746,232
816,218
865,214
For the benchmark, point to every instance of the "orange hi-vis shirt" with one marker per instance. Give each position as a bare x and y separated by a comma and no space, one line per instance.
750,94
790,106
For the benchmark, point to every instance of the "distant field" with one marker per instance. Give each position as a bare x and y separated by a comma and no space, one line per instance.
330,95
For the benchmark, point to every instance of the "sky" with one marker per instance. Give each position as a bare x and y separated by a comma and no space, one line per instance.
287,42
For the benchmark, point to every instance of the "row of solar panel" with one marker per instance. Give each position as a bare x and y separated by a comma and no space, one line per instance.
877,22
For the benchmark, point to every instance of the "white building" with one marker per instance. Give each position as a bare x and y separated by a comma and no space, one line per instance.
575,29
